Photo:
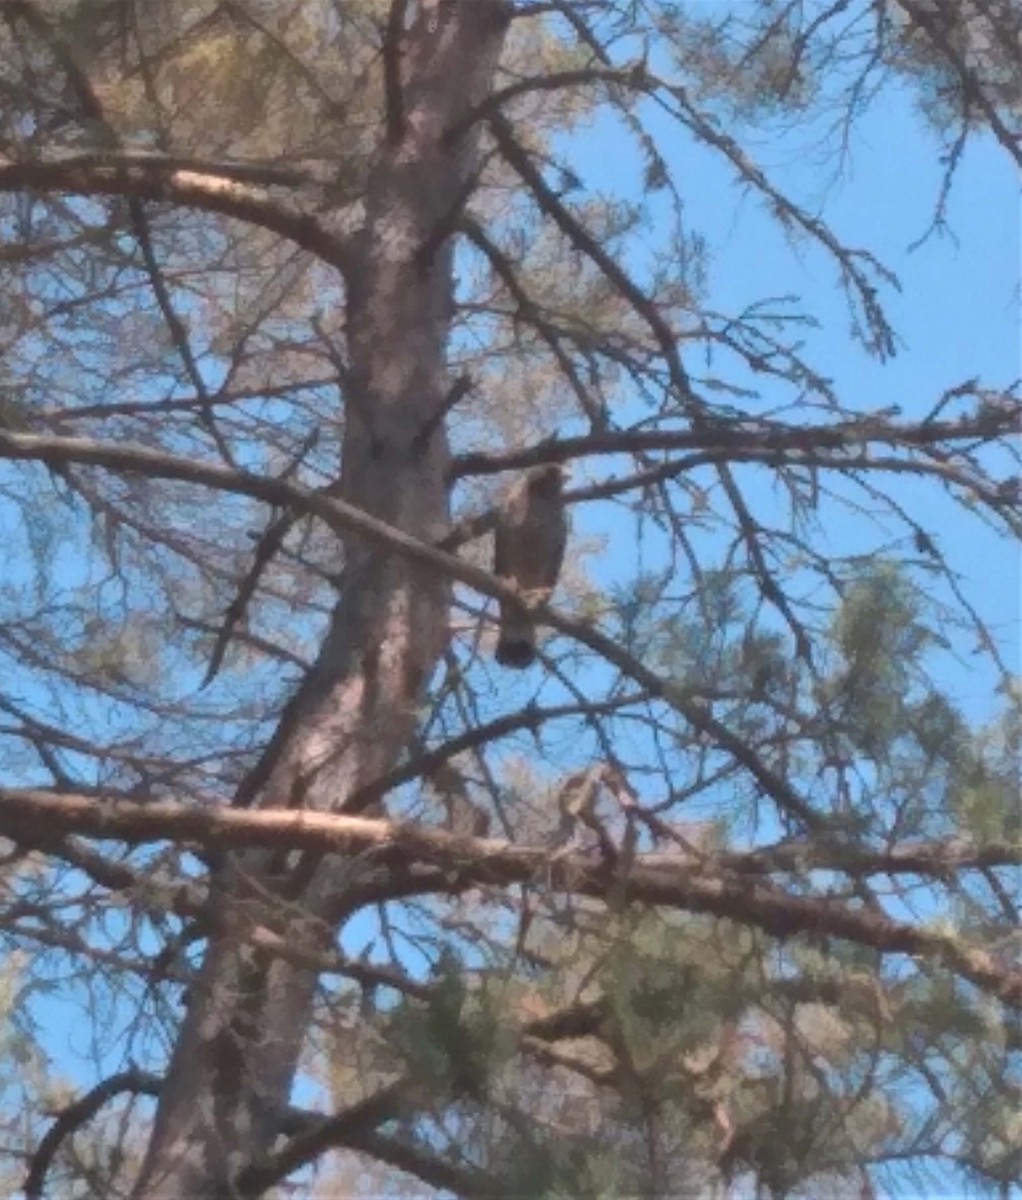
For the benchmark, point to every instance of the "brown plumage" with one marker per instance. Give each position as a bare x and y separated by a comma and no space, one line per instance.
532,529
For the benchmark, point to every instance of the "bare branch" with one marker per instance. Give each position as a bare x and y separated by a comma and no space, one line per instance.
77,1114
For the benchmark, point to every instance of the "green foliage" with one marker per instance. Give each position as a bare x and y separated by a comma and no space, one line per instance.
458,1040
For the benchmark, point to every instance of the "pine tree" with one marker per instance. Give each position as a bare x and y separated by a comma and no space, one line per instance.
716,898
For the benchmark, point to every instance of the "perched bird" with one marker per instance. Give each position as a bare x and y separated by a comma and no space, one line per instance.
532,529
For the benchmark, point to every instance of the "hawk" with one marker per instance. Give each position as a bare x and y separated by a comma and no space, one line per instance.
532,528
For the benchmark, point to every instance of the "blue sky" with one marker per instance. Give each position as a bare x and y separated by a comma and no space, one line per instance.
956,316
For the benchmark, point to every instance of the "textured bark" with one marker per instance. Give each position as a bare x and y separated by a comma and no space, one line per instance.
232,1068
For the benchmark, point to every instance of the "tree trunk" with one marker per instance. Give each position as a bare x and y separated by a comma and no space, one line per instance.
232,1068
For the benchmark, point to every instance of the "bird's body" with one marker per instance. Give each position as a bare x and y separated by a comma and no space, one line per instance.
532,530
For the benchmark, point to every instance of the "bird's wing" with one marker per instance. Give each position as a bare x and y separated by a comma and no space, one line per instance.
508,533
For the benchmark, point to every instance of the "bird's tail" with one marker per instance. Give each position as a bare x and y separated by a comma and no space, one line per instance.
517,645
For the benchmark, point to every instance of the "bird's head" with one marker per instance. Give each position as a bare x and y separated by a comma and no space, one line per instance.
547,479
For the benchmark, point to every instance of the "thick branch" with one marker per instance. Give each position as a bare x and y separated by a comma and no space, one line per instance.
666,880
189,189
